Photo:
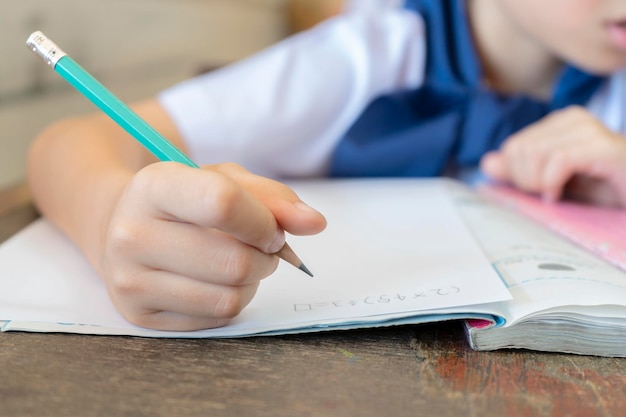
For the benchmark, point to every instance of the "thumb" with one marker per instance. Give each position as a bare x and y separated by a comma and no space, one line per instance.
291,213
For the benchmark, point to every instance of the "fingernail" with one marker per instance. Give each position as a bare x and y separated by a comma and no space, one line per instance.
305,208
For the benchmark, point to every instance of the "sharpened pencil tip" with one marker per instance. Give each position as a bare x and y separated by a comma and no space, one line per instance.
306,270
287,254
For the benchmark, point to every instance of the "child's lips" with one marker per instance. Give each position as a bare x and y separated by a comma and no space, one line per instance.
617,33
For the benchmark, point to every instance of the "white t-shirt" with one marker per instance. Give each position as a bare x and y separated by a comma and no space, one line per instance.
281,112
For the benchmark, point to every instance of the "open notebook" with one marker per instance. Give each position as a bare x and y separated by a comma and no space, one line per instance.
396,251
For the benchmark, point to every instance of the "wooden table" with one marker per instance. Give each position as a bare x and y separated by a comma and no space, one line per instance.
406,371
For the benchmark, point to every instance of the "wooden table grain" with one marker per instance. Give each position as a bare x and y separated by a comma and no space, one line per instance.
403,371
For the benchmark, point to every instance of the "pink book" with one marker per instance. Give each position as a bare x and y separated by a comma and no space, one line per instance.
600,230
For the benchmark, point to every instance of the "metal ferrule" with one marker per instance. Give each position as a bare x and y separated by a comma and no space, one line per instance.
45,48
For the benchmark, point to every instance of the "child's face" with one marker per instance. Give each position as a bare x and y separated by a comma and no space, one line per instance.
590,34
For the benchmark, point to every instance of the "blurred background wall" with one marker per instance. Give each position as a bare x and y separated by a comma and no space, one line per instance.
135,47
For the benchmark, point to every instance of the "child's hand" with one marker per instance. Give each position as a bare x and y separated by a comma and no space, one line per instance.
186,248
567,154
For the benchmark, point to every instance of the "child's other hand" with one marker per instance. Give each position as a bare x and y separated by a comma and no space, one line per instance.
567,154
185,248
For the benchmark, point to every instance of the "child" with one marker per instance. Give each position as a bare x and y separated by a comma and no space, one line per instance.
531,90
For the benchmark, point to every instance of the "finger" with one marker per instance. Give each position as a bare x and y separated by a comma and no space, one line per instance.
514,165
591,190
493,164
208,199
525,154
170,321
293,215
141,296
208,255
525,165
509,164
562,166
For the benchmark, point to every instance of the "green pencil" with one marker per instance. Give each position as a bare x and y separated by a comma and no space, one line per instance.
130,121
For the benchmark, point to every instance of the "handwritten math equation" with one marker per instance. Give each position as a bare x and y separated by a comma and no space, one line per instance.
378,299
